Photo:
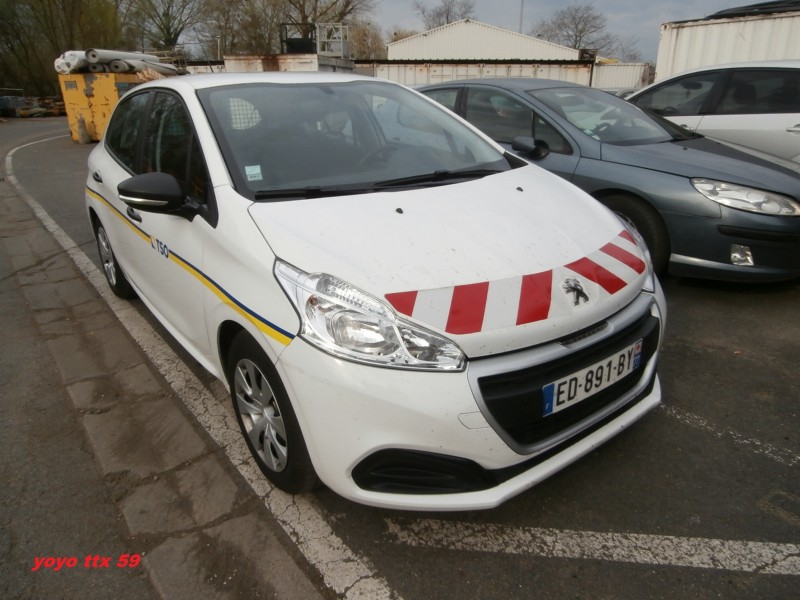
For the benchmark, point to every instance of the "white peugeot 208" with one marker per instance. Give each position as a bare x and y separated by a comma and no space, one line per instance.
400,309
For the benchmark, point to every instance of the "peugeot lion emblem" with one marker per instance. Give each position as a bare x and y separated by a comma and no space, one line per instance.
573,286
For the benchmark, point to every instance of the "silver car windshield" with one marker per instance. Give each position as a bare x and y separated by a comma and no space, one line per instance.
605,117
301,140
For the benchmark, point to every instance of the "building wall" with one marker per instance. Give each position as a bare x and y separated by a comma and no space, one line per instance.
472,40
286,62
415,73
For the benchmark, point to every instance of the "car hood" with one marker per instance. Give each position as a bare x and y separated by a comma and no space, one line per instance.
497,263
710,159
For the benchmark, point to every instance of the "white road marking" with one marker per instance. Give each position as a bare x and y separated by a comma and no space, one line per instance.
700,553
779,455
349,575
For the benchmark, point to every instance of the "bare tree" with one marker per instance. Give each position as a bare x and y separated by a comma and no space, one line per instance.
306,13
366,41
447,11
577,26
164,21
627,49
241,27
401,34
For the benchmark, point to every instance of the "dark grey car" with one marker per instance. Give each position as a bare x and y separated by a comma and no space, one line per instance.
704,208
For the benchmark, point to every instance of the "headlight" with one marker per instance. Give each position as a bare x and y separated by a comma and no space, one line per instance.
746,198
349,323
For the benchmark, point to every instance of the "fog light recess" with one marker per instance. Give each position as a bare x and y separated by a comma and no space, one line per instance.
741,255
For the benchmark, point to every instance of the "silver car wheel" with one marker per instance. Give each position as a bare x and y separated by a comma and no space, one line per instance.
261,415
107,256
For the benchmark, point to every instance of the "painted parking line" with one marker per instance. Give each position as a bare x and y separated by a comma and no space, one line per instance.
779,455
658,550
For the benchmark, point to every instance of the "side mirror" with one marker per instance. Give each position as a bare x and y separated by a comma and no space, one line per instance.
526,145
152,192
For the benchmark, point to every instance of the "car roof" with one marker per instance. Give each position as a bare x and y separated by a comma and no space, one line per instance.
753,64
516,84
197,82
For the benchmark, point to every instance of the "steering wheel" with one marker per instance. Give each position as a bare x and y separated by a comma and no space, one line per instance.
601,128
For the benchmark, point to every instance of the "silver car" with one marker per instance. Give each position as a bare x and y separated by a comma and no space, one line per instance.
705,209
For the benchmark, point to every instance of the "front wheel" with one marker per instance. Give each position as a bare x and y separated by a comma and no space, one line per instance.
648,223
114,276
267,419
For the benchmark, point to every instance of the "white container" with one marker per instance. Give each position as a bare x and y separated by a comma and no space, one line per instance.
691,44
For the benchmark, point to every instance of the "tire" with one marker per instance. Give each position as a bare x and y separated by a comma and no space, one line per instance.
648,223
267,419
116,278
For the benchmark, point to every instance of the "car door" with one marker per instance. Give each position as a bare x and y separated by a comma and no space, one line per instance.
169,264
114,161
682,100
503,116
161,254
759,108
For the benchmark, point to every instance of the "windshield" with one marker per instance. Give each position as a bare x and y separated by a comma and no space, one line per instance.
608,118
311,140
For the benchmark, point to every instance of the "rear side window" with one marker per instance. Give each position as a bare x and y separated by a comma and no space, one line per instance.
446,98
123,130
684,97
761,92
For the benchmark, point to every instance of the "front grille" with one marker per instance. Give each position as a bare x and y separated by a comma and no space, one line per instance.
515,400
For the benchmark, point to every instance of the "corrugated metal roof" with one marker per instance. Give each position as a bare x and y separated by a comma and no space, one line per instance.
473,40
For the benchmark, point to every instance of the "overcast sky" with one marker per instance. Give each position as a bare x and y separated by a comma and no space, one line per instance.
640,19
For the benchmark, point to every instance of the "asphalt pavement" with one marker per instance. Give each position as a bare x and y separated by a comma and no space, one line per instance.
110,489
116,484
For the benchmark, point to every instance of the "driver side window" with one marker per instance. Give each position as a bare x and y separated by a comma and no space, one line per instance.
170,146
684,97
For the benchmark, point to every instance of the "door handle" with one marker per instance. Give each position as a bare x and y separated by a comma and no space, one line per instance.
794,129
96,177
134,215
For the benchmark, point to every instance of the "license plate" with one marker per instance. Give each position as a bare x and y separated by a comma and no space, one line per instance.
587,382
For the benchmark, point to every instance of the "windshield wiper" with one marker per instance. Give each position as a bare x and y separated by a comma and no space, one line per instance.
436,177
315,191
310,191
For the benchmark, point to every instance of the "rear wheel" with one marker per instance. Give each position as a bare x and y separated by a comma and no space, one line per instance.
267,419
114,275
648,223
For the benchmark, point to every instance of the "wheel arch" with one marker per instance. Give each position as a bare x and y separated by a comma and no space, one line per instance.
94,219
658,232
226,333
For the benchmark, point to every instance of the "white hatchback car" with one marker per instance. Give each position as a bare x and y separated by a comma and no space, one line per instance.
399,308
753,104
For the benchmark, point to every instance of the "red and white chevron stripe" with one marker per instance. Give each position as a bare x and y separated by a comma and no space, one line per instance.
491,305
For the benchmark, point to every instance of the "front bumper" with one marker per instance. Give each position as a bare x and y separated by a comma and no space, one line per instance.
701,247
430,441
